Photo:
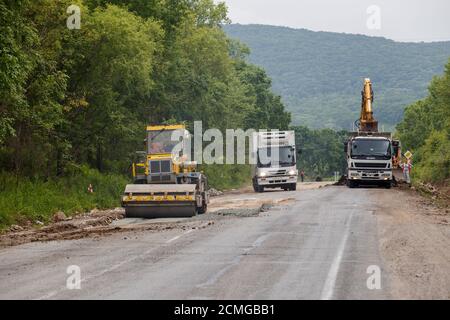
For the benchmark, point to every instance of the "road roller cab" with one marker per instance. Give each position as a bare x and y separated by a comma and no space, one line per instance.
165,183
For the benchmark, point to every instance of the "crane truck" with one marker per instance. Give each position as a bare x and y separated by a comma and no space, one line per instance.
371,155
276,165
165,184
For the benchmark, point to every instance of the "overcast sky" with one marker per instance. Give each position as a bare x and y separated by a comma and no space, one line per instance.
400,20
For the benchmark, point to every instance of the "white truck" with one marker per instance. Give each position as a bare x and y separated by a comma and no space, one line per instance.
370,159
276,163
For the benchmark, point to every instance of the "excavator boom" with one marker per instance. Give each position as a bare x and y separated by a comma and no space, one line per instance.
366,120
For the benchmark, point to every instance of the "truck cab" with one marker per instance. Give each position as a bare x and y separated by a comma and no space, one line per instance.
276,161
369,160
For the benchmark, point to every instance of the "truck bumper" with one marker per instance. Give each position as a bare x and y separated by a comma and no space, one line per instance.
277,181
370,175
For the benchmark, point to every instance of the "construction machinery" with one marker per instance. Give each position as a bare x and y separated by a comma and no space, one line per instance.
276,161
165,183
371,155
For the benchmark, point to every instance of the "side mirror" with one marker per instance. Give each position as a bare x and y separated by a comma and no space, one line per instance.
345,147
299,151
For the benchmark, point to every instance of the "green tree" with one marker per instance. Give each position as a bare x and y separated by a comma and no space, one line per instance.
425,130
322,151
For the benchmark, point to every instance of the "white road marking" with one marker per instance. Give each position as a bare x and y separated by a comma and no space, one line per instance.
178,237
112,268
328,288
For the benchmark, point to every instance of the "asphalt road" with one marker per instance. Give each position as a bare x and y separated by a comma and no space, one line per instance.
318,245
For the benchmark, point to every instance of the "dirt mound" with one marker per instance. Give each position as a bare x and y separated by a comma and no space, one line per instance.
64,228
342,181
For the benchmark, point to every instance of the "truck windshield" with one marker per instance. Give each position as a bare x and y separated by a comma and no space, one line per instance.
160,142
267,157
371,148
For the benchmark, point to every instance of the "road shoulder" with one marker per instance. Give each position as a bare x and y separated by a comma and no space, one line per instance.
414,242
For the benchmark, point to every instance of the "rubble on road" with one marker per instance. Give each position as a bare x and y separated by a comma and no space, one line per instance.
214,192
244,212
91,224
439,195
15,227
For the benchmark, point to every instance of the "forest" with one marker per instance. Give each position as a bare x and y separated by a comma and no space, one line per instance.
322,152
74,102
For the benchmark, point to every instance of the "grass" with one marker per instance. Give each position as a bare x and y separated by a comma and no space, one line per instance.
24,199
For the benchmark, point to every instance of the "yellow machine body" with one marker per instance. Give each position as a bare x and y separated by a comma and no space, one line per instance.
165,183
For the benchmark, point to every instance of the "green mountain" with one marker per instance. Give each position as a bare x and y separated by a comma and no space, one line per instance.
320,74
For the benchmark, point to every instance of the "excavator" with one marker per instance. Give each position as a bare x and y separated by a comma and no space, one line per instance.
165,184
372,156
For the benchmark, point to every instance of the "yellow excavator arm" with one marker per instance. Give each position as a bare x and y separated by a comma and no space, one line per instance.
366,120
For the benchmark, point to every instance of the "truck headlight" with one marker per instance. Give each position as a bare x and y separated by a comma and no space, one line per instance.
263,174
292,172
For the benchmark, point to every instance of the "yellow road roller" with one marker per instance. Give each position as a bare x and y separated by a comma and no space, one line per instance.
165,183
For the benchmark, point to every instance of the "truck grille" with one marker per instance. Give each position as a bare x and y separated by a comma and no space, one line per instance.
278,173
370,165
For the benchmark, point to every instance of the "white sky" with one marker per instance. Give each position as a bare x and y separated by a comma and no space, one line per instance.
400,20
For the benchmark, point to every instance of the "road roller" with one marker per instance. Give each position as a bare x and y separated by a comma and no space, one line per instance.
165,183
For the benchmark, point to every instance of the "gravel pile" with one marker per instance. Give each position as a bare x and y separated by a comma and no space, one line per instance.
214,192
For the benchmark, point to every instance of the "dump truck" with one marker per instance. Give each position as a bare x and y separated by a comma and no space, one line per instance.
371,155
276,162
165,183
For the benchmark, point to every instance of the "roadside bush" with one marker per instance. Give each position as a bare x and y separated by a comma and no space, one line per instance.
434,158
223,177
30,199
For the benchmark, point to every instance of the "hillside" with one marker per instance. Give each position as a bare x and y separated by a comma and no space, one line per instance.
320,74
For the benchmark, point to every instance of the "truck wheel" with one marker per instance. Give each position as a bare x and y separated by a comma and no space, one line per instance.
351,184
293,187
257,188
388,185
